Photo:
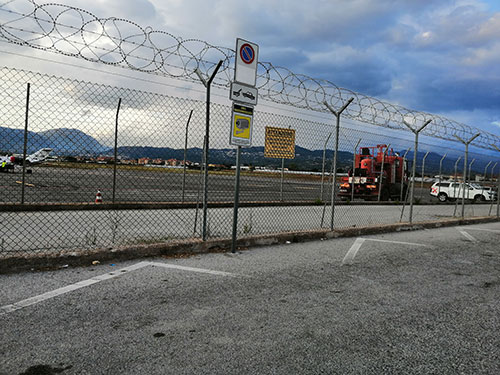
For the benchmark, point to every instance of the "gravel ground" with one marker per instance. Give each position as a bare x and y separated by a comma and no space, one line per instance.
419,302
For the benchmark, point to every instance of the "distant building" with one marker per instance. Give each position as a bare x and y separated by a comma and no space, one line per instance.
173,162
158,162
144,161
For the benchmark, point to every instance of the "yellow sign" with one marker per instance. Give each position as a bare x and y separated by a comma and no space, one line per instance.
241,127
280,143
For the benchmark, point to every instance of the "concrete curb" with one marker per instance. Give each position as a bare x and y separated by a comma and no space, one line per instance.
39,262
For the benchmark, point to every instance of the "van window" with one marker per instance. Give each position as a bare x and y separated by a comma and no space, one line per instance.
443,184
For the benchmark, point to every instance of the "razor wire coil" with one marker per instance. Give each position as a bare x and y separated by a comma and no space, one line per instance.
124,43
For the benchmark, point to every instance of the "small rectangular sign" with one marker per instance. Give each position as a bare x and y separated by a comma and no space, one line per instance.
247,55
243,93
279,143
241,126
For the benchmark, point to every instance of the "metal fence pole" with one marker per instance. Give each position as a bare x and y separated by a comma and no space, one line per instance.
470,168
492,169
486,170
200,181
236,200
414,167
323,167
207,85
354,169
455,182
466,143
282,178
403,175
382,173
498,187
185,156
484,176
440,171
423,173
116,149
492,189
25,147
337,128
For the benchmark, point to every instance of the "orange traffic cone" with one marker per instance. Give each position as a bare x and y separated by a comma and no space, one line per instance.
98,197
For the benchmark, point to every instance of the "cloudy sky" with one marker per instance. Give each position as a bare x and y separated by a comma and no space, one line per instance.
439,56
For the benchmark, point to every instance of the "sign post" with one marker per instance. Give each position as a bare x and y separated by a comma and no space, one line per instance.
244,95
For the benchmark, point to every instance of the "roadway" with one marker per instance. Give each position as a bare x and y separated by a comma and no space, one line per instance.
416,302
79,185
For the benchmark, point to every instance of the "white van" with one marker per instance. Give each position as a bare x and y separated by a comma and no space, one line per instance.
451,190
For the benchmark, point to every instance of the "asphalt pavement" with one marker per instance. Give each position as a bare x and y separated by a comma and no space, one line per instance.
416,302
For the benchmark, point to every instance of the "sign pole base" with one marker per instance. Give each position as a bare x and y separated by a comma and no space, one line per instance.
236,200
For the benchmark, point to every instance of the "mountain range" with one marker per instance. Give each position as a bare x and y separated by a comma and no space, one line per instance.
73,142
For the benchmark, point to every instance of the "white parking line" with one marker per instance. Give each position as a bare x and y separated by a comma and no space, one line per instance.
398,242
200,270
349,257
486,230
467,235
110,275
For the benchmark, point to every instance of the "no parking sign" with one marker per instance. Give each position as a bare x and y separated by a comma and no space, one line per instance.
247,55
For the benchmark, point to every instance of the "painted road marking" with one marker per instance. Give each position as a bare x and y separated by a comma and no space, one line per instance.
349,257
94,280
397,242
467,235
486,230
200,270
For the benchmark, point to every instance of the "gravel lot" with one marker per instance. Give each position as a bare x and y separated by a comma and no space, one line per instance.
417,302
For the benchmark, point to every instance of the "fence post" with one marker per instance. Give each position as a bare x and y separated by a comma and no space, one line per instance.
423,172
466,143
498,186
236,200
402,176
484,176
116,149
354,168
25,147
382,173
337,128
455,182
493,188
470,168
207,85
185,156
323,167
440,170
414,166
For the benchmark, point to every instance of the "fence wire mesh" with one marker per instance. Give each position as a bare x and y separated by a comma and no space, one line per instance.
85,193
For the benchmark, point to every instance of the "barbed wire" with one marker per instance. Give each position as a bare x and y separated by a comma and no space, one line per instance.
115,41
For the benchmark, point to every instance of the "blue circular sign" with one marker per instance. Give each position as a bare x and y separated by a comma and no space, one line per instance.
247,53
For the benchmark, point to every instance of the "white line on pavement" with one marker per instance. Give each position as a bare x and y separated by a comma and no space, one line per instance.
486,230
349,257
110,275
201,270
467,235
398,242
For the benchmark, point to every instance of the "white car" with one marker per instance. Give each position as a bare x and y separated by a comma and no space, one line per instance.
450,190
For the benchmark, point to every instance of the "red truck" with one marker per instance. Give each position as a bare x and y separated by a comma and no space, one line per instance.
377,169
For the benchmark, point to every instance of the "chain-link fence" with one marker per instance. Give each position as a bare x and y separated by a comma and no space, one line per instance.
103,166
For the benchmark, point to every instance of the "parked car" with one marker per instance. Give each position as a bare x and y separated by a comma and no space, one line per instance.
451,190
